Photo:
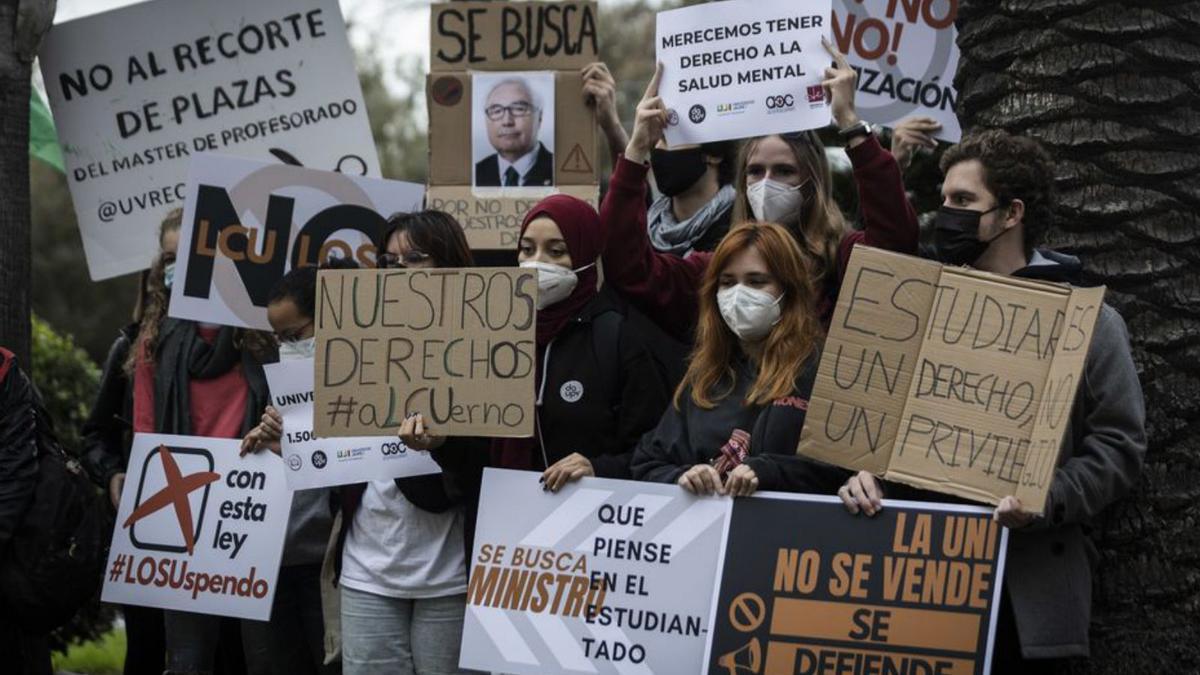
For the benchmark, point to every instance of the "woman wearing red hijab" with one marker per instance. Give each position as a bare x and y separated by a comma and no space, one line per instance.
599,383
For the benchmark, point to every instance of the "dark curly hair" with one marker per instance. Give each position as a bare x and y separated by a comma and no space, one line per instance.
300,285
1014,167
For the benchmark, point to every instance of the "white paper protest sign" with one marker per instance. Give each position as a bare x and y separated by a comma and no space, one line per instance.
323,462
743,68
247,223
136,91
906,55
198,528
607,576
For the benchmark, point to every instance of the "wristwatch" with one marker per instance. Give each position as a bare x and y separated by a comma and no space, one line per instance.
859,128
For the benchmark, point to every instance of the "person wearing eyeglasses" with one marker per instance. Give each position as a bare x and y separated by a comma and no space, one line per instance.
513,113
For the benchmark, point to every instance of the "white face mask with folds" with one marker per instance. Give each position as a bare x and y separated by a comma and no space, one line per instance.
555,282
749,312
775,202
298,349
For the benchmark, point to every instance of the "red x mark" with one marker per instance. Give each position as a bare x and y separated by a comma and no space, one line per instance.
176,493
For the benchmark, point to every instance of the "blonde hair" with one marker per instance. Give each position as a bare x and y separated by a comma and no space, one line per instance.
821,224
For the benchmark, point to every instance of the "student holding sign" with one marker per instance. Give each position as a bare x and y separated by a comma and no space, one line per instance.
997,204
757,348
194,380
599,385
784,179
402,561
296,611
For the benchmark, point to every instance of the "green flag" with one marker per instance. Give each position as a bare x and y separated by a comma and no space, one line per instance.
43,140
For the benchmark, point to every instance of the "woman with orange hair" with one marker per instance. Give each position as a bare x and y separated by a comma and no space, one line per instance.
749,377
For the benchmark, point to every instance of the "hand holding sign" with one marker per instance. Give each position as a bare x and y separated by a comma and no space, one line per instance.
910,136
839,84
414,433
570,468
862,493
1012,514
649,122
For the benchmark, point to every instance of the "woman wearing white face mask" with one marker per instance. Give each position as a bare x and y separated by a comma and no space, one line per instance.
783,179
738,412
599,384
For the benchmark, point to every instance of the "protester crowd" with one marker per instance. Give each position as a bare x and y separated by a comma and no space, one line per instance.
678,334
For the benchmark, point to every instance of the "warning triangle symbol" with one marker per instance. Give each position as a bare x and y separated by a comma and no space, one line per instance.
576,161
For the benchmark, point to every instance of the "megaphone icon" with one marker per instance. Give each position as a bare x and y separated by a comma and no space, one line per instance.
746,659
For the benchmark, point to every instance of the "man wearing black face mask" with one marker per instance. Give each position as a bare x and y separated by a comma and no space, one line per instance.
694,208
997,204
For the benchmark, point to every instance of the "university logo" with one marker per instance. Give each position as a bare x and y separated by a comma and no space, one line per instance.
171,499
697,114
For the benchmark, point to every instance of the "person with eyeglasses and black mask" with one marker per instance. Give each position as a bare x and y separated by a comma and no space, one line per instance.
998,204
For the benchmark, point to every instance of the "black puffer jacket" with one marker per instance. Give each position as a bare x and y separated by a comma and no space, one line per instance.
18,445
108,431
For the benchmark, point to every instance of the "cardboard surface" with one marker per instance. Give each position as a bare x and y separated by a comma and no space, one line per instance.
137,91
449,97
199,529
247,223
906,55
488,39
949,379
512,35
456,345
492,219
743,68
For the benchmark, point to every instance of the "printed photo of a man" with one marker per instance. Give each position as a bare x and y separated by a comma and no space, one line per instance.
511,108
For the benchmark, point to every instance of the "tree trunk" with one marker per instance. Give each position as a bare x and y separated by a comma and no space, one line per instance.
14,186
1113,90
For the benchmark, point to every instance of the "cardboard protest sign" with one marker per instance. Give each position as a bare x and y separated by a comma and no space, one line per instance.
906,55
247,223
137,91
606,576
456,345
915,589
507,123
483,35
949,379
495,222
743,68
198,528
324,462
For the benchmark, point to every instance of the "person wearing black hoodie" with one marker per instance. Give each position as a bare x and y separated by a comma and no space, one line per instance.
599,384
998,200
742,401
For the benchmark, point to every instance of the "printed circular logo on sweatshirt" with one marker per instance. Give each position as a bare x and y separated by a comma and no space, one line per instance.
571,391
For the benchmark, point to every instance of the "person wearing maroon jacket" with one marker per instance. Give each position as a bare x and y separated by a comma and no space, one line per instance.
781,178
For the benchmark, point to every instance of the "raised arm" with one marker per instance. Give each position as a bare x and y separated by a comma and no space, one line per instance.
662,286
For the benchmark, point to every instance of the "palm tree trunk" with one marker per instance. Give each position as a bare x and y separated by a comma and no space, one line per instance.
14,186
1113,90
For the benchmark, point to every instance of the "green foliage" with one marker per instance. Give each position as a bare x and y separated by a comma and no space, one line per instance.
62,292
103,656
67,379
397,122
